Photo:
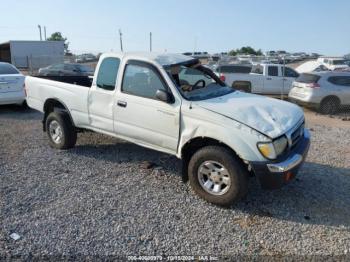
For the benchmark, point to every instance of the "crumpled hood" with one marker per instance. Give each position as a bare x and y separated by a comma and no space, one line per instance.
269,116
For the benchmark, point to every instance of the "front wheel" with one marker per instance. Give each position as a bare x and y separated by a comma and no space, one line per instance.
217,176
60,130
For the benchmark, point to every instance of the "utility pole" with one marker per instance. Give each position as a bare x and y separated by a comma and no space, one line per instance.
41,39
121,40
283,76
195,44
45,33
150,41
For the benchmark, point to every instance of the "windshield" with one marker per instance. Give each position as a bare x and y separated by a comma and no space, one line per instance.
195,82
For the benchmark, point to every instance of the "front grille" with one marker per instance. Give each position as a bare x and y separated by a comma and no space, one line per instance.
297,134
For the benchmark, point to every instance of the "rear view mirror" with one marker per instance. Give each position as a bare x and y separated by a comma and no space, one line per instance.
164,96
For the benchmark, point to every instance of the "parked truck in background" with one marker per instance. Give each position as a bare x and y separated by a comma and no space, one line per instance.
173,104
266,79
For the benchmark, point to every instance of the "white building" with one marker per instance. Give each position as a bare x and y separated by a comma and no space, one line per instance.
32,54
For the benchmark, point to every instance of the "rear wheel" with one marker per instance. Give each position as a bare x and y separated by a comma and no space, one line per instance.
60,130
217,176
329,105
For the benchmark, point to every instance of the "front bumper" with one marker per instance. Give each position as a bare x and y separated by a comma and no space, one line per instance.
275,174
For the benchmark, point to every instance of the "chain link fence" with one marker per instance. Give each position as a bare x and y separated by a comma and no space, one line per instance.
31,64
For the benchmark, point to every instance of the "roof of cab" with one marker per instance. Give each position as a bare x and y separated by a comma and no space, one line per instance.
164,59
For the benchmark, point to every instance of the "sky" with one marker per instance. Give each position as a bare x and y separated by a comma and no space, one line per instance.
321,26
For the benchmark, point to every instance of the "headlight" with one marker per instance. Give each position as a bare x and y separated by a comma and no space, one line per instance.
271,150
280,145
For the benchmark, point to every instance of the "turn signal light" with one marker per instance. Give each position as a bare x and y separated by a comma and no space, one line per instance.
289,176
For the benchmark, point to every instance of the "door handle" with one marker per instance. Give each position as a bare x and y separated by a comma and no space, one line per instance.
122,103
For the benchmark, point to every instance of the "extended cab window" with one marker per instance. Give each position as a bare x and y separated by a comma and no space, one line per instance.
107,73
142,80
273,71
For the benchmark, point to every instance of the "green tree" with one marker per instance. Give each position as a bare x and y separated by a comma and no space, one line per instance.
259,52
57,36
245,50
232,52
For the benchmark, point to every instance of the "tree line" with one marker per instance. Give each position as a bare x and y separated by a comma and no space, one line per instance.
245,50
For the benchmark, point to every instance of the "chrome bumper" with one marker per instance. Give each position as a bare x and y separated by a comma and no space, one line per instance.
289,163
285,165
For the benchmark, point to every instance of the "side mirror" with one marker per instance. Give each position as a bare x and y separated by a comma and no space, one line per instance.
164,96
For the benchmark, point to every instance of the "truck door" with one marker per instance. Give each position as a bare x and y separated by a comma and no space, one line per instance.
102,94
273,82
139,115
289,76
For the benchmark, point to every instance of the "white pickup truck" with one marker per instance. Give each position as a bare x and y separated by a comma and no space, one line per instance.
171,103
267,79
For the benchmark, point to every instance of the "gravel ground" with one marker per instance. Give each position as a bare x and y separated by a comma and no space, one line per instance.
100,199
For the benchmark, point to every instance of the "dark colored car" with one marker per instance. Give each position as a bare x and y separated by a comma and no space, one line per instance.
66,70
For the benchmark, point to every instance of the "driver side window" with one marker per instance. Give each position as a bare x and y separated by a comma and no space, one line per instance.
142,80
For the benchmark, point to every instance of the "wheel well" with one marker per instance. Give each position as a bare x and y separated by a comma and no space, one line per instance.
330,97
52,105
194,145
240,84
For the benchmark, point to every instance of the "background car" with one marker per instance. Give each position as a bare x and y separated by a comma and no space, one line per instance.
326,91
86,58
333,63
11,85
66,70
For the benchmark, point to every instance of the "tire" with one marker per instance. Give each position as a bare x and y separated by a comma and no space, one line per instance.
232,171
329,105
60,130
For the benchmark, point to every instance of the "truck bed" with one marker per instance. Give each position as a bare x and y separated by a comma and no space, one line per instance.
76,80
73,97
